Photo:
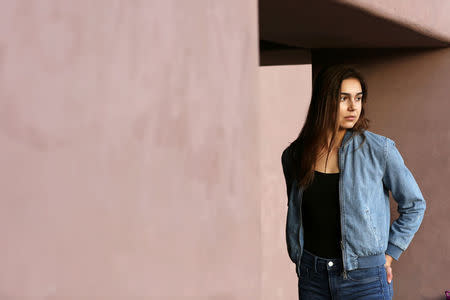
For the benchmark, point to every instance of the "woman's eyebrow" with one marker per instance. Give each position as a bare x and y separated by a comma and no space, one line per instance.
350,94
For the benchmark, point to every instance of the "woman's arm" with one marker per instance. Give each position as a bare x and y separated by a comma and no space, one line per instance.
407,194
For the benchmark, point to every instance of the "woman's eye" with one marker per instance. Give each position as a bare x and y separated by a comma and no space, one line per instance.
343,98
359,98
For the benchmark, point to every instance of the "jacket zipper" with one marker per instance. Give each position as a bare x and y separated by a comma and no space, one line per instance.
344,272
340,203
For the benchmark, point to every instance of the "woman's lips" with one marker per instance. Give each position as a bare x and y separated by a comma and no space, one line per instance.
350,118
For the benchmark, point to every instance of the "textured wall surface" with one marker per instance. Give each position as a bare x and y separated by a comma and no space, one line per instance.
285,93
129,160
430,17
355,23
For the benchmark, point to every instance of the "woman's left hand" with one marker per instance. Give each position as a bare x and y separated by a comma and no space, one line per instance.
388,267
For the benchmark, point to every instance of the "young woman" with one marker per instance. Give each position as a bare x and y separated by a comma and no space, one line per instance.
338,177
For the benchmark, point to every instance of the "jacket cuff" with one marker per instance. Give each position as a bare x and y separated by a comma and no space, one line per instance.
394,251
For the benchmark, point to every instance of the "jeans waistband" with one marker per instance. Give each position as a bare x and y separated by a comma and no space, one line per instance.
320,263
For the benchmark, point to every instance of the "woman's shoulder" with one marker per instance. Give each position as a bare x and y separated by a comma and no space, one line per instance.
288,152
377,138
286,157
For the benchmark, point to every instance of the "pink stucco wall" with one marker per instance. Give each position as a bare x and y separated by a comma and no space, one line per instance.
285,93
427,17
129,159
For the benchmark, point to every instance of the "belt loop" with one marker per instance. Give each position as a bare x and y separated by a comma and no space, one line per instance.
315,263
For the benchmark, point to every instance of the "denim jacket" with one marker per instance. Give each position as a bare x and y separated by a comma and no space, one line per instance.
366,176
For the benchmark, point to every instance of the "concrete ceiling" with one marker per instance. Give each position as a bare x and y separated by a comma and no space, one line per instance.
332,24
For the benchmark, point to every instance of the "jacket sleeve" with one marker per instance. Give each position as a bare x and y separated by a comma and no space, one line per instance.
411,203
292,217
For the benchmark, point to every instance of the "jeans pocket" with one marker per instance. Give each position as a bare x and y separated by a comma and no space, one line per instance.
304,272
390,284
364,275
391,288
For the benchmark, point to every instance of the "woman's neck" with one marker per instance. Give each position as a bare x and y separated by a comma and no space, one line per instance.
337,139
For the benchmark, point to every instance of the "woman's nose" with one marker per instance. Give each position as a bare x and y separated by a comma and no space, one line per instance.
352,104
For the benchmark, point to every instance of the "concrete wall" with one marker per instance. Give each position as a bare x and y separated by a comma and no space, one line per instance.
429,18
285,93
129,150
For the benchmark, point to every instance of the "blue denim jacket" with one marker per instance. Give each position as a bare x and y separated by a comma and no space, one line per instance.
366,176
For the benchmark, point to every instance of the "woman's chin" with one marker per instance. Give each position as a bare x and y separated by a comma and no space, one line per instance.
346,126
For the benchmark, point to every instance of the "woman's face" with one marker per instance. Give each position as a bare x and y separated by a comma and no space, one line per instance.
350,103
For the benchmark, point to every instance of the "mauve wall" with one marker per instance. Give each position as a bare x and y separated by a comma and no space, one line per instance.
129,150
285,93
427,17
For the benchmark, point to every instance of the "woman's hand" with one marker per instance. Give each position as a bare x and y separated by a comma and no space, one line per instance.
388,268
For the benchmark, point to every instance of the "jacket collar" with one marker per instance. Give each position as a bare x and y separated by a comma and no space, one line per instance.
347,136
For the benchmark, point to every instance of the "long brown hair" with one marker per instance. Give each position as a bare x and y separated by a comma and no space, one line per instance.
321,120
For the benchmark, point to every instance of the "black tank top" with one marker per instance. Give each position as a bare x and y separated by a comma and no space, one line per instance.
321,216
